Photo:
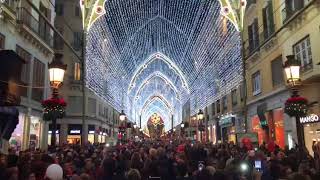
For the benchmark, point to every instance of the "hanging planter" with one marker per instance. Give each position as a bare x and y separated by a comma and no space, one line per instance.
53,108
296,106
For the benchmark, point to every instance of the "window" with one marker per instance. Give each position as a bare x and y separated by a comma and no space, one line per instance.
92,103
242,91
59,9
77,11
256,83
25,71
268,21
100,110
218,106
302,51
253,34
277,71
77,71
291,6
250,2
234,97
77,39
73,104
38,80
2,41
213,109
224,103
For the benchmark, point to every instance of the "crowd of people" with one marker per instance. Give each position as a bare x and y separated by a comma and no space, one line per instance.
161,160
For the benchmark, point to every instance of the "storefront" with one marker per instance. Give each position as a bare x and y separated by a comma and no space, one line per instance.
74,133
227,128
34,138
91,132
311,125
57,134
16,139
269,125
212,133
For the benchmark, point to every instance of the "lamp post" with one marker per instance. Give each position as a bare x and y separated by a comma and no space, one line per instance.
182,129
200,117
122,118
56,75
292,71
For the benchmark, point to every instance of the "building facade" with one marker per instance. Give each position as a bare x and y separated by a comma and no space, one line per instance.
101,120
272,31
30,35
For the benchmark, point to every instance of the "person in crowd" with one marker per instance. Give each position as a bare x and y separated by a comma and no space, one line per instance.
173,159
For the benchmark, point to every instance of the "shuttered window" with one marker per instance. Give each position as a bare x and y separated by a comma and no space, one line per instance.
38,80
268,20
25,71
277,72
253,35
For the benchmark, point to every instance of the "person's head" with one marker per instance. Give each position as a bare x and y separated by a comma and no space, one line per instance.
204,175
134,174
182,169
298,176
109,166
84,176
54,172
153,153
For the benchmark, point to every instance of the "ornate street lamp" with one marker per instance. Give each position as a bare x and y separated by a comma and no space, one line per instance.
56,75
56,71
292,70
295,106
122,116
200,115
182,125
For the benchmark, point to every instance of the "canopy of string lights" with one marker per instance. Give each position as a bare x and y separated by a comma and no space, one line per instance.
149,57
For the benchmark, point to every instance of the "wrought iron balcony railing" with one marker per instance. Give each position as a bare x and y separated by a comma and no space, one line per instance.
38,25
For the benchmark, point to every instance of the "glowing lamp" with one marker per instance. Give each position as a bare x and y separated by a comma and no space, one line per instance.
182,125
56,71
200,115
122,116
292,70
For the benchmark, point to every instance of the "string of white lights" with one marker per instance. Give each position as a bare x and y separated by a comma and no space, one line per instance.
184,40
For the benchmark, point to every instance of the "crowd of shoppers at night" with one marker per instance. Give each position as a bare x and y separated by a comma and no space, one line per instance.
162,159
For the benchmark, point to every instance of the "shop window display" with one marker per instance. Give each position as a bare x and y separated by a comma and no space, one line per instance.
17,135
34,132
274,129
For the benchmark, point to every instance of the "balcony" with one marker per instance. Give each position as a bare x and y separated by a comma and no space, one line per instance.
37,29
10,7
291,9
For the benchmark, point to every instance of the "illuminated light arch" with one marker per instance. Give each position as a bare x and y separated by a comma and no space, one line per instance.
161,76
165,59
91,11
156,109
155,98
234,11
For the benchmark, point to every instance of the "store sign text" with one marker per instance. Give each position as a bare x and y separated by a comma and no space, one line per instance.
309,119
75,131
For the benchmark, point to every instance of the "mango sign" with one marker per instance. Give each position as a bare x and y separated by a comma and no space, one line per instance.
309,119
